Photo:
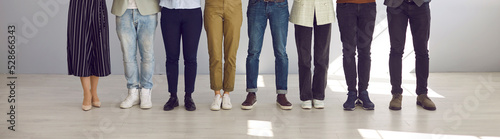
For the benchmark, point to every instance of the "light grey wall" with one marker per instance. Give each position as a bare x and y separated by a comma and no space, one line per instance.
464,37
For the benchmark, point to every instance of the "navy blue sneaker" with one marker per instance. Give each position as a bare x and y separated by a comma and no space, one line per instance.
365,101
349,104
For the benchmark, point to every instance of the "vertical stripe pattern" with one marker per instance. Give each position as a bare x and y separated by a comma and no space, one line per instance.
88,38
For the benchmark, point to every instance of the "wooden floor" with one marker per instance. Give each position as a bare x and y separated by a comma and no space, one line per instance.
49,106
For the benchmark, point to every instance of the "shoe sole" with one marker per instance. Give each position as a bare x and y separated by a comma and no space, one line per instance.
368,108
284,107
319,107
248,107
128,107
427,108
190,109
146,107
176,105
349,109
214,109
394,108
306,108
168,109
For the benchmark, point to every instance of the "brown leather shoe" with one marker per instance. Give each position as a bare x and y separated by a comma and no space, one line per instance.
395,103
283,102
425,102
249,102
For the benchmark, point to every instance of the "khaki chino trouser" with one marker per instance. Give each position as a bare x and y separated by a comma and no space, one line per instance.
223,19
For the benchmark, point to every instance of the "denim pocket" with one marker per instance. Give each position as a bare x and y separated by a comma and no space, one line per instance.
252,2
282,4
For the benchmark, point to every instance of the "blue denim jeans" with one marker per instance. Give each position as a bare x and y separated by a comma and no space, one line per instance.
136,31
258,13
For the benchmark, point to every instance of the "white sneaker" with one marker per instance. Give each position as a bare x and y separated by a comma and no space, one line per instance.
318,104
216,104
131,100
146,98
306,104
226,102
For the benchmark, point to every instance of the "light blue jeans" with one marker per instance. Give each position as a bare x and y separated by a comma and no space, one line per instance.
136,31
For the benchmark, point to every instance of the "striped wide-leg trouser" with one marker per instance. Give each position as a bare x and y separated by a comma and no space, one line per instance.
88,38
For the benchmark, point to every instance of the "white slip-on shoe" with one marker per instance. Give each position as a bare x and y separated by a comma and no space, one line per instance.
146,98
216,104
306,104
226,102
318,104
131,100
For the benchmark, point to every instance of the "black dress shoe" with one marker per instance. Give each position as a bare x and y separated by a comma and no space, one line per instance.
189,104
171,104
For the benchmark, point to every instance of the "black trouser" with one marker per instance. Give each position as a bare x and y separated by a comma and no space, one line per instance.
177,24
303,38
356,25
420,19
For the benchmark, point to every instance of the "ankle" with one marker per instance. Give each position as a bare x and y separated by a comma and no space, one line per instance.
187,95
174,95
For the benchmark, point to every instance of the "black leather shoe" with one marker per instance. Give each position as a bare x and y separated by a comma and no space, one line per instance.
171,104
189,104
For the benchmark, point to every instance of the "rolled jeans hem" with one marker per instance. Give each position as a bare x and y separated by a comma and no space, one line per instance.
281,91
252,90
